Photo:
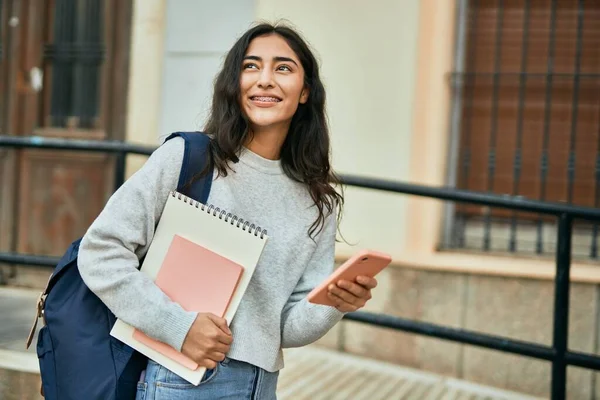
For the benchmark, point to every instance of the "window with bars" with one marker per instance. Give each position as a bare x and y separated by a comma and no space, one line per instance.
1,32
526,120
74,57
3,27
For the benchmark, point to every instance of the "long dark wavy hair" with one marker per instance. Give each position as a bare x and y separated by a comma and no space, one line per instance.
305,154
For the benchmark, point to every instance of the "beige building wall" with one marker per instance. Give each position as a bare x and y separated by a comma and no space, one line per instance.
368,55
198,35
368,52
176,50
145,72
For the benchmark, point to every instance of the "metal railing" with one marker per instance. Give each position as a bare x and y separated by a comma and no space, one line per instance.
558,354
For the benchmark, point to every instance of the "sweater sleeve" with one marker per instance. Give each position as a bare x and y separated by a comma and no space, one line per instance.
111,248
302,322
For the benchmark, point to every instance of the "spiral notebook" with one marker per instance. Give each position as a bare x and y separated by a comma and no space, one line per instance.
198,279
223,248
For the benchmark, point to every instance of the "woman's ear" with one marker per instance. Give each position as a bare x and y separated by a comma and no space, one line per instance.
304,95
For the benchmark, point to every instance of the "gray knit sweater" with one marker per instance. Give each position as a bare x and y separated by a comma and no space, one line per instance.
274,313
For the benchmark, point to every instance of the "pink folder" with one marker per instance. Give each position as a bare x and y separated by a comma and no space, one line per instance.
199,280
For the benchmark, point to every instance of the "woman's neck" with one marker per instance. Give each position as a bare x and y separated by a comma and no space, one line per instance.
267,142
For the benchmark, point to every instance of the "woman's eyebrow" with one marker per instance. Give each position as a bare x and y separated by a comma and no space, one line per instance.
277,58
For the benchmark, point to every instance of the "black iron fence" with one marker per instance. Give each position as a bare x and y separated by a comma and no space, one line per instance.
558,354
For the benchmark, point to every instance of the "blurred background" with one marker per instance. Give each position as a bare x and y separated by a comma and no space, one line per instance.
496,96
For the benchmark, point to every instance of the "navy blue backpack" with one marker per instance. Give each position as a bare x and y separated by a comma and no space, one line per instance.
78,357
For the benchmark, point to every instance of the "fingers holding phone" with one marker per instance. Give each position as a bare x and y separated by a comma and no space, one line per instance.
350,296
349,287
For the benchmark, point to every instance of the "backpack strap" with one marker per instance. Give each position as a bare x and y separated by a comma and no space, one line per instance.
195,157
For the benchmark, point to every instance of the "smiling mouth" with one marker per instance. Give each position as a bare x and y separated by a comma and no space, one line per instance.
265,99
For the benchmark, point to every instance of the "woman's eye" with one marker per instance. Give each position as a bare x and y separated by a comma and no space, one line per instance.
250,66
284,68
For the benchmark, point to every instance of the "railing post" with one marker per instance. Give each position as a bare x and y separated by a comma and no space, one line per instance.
120,159
560,340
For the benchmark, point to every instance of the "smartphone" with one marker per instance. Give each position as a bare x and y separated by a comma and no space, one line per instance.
365,263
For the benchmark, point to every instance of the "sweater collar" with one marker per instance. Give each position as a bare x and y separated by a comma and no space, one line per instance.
259,163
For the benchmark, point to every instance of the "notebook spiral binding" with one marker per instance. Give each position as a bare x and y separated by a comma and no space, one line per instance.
223,215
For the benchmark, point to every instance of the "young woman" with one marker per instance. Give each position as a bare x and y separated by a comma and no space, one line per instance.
270,153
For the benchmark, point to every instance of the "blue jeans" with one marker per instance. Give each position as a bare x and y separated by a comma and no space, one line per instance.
231,379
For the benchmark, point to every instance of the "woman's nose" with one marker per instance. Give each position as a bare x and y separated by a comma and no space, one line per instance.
265,79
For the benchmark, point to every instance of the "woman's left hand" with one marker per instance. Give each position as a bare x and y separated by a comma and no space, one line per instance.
351,296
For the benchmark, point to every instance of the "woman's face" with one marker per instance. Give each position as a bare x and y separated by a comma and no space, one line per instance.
271,83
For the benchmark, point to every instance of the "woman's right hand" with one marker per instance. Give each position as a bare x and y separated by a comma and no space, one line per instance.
208,340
